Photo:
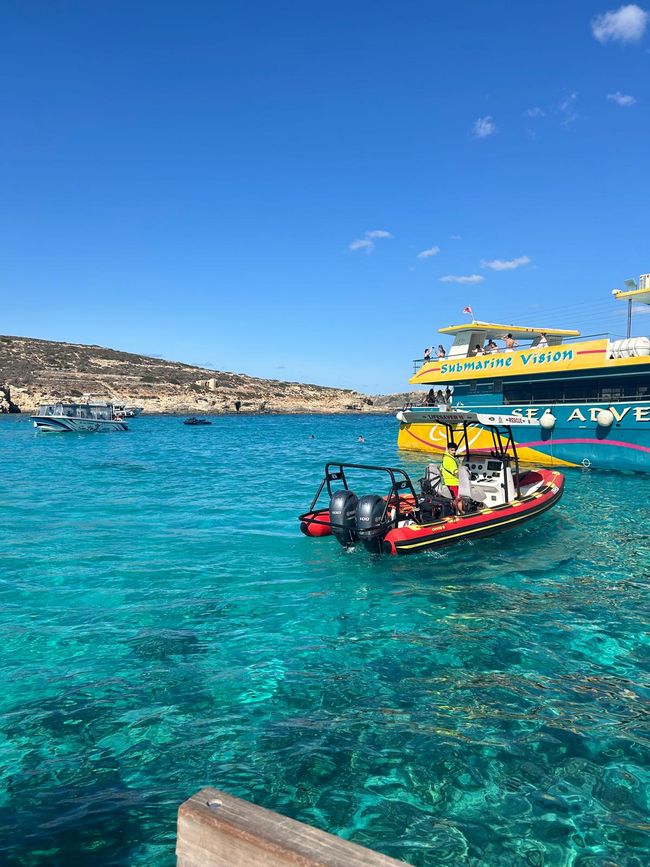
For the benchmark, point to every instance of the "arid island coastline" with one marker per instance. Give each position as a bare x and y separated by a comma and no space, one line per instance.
34,371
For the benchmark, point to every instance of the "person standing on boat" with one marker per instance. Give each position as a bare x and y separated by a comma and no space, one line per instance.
441,351
427,354
449,470
542,343
511,343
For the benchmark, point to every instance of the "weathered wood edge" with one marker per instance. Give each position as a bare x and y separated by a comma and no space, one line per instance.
218,830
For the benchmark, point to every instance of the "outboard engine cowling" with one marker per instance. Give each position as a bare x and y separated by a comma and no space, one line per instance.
370,528
343,506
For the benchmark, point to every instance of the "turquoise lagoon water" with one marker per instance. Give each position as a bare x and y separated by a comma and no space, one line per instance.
164,626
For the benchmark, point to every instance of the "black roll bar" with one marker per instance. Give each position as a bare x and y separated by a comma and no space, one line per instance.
399,481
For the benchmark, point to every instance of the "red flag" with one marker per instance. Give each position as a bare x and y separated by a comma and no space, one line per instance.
468,310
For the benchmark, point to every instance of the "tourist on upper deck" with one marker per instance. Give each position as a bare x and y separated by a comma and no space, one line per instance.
441,351
478,350
491,346
427,354
542,343
511,343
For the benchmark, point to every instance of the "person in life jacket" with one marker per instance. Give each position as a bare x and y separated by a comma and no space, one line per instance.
449,470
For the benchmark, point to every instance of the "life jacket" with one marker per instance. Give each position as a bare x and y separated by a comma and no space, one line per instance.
449,469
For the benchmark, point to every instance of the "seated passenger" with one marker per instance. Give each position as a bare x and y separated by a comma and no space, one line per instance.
542,343
491,346
430,399
478,350
440,398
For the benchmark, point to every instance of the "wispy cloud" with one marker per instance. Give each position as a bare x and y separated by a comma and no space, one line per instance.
621,99
484,127
469,278
362,244
505,264
535,112
568,108
427,254
367,243
626,24
455,237
379,233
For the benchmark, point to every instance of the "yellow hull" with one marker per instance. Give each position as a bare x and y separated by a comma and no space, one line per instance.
432,439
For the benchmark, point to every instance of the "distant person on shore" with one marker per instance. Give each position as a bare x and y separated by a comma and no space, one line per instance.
511,343
237,405
543,341
441,351
427,354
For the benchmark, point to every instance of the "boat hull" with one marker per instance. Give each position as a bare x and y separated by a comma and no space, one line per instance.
70,424
576,440
486,522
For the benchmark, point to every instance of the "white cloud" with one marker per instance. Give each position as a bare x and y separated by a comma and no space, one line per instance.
621,99
427,254
568,108
470,278
367,243
484,127
362,245
535,112
378,233
505,264
626,24
455,237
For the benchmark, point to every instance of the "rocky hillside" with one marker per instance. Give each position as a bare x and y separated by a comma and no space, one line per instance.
41,371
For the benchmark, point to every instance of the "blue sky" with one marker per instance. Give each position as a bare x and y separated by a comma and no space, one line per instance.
249,185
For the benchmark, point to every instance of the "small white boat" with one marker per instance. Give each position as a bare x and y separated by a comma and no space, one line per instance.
124,411
77,418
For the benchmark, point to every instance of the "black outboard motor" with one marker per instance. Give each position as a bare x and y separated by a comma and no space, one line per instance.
370,528
343,506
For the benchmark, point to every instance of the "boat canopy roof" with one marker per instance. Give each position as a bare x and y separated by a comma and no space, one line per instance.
451,418
642,296
494,329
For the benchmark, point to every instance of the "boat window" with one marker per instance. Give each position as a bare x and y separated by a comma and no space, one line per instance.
517,392
544,391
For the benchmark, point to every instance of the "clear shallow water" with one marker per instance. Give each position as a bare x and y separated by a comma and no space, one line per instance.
164,626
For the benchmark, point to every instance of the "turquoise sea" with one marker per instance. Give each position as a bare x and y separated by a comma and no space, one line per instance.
164,626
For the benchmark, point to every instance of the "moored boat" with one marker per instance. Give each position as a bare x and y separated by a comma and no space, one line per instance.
196,422
493,495
591,395
77,418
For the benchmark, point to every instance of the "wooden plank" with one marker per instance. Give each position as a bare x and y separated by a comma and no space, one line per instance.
217,830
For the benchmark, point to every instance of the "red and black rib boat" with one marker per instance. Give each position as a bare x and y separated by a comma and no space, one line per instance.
496,495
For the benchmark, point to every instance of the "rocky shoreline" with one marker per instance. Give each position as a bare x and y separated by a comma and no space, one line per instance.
34,371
